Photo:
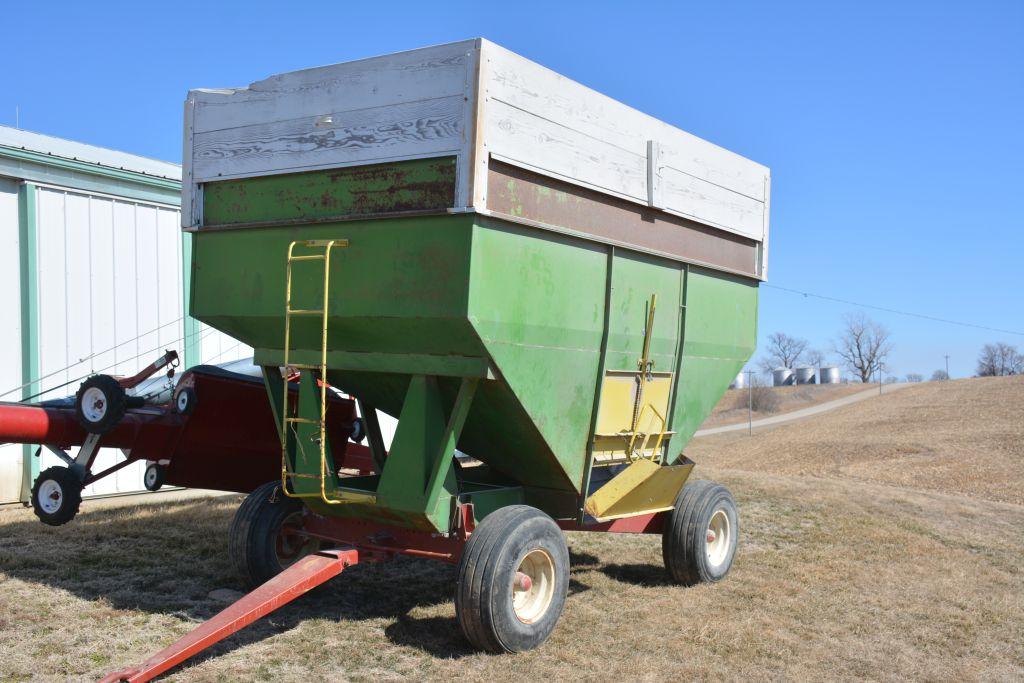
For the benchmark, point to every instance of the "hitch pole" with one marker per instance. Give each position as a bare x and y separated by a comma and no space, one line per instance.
301,577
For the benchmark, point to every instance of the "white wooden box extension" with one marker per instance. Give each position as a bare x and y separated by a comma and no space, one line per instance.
478,102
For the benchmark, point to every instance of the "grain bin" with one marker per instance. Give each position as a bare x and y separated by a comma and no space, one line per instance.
740,382
543,278
805,375
828,374
783,377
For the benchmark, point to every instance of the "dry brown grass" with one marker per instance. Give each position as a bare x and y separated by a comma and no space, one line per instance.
835,579
732,408
962,436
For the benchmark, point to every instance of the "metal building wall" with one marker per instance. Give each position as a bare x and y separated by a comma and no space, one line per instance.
10,330
96,267
110,296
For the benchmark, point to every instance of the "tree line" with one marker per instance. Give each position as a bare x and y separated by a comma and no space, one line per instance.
863,346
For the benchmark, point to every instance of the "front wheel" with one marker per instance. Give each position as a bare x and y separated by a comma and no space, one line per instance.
154,477
266,535
56,495
699,540
513,579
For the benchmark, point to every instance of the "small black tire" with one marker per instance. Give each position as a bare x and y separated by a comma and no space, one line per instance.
358,430
154,477
56,495
259,543
699,541
100,403
185,401
495,609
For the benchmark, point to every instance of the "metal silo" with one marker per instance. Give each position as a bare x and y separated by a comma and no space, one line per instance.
805,375
740,382
828,374
782,377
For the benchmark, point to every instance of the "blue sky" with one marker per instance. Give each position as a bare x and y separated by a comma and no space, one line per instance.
894,131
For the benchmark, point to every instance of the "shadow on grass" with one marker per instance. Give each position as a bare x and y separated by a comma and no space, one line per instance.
166,558
638,574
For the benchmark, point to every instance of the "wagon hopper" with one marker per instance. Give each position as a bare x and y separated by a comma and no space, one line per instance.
515,267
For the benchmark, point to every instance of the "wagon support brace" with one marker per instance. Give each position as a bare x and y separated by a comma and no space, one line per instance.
293,582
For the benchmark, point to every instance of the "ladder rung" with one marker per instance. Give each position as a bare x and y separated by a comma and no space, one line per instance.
304,311
302,420
296,475
307,366
308,257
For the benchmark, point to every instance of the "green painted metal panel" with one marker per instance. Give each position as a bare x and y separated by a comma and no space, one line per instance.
415,185
27,217
537,302
417,304
721,335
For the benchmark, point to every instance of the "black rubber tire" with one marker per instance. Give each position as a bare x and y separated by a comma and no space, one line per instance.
185,401
252,539
483,595
70,493
116,403
683,541
154,477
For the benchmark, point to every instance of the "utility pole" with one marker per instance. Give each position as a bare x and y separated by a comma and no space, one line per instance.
947,366
879,378
750,402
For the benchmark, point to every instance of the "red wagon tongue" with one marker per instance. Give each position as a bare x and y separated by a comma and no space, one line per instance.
293,582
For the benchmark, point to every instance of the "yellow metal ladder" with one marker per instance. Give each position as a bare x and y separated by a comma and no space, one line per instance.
287,420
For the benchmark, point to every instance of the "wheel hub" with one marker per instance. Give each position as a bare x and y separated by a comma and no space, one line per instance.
50,496
533,586
292,545
94,404
718,538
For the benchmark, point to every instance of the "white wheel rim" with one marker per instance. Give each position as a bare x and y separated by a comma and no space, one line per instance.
151,477
718,538
533,586
94,404
51,496
182,402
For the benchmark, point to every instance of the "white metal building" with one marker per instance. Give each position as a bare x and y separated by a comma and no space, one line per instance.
94,262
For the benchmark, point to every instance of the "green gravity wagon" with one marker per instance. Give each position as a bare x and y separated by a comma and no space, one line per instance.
547,289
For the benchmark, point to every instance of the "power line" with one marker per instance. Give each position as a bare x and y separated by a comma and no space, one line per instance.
893,310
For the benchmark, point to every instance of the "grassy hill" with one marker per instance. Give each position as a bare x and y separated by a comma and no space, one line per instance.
963,436
874,545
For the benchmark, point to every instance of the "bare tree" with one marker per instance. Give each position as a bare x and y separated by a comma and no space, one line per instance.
999,359
939,375
914,377
863,345
783,351
815,358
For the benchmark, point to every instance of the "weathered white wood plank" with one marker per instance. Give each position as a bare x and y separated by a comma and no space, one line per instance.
711,204
335,138
527,85
526,139
375,82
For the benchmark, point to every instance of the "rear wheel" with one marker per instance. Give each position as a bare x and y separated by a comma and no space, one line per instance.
265,536
699,540
56,495
513,579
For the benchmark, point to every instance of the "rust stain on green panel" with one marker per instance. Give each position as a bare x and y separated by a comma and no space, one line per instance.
415,185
